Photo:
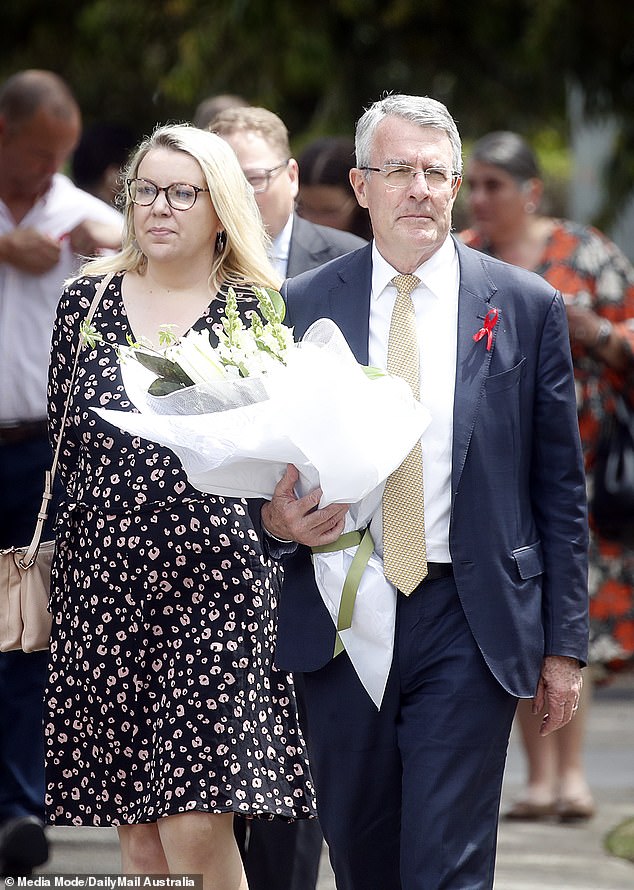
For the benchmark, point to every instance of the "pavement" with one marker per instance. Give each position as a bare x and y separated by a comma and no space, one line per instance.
553,856
531,856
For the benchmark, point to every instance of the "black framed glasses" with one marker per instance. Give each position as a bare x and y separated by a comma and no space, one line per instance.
179,195
261,179
399,176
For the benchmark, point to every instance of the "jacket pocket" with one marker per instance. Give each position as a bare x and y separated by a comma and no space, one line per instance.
529,560
506,379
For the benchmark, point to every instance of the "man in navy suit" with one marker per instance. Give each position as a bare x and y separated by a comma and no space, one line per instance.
408,794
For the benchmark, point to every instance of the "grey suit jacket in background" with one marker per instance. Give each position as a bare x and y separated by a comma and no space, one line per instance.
312,245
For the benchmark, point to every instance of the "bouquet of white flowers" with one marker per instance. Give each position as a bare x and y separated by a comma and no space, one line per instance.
238,413
241,351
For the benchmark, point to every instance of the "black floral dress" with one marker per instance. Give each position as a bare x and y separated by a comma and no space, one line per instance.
162,694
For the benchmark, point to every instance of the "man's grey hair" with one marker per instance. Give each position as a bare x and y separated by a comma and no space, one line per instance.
420,110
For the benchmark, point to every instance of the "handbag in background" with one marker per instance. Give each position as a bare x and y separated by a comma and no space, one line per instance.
25,572
612,504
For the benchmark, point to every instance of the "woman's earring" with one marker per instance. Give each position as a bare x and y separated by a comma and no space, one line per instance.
221,241
530,207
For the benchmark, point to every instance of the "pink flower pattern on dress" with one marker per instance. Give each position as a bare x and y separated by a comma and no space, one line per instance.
162,695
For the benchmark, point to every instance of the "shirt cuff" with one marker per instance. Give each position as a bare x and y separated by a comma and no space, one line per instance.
277,548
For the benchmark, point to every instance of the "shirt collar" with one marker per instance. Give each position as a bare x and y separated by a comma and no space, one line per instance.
432,272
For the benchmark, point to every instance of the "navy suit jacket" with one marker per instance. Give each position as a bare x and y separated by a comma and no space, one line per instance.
518,530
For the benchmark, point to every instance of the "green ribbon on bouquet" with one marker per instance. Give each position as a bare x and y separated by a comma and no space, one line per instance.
365,545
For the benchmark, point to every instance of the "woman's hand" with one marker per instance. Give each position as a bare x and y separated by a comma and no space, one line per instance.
583,324
596,334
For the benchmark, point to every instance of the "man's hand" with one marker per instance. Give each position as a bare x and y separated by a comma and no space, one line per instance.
29,250
298,519
558,692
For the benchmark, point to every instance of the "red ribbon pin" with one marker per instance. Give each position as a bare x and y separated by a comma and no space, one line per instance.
490,321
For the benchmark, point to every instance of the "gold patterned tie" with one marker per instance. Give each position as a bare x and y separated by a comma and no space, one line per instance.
404,548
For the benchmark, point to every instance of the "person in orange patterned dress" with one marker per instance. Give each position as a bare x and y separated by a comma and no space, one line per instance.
504,193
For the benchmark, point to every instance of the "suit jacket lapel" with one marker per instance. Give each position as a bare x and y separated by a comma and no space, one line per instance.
349,300
306,250
473,358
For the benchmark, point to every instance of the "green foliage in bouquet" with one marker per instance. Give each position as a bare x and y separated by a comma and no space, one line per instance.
241,351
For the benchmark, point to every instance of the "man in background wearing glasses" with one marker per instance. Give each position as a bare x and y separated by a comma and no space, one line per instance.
482,531
279,856
260,140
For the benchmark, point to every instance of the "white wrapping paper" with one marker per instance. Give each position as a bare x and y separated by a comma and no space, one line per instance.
321,412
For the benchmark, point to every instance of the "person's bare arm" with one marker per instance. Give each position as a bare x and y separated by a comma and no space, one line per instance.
597,334
91,236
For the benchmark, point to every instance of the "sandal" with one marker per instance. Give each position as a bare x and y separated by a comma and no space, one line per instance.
575,809
527,811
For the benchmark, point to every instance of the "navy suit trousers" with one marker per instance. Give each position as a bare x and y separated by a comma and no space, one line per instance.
409,795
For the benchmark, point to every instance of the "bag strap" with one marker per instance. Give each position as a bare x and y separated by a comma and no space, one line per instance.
31,554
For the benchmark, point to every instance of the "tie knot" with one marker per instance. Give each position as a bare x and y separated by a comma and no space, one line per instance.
405,284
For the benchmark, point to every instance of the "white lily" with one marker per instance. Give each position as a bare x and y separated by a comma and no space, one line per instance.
197,358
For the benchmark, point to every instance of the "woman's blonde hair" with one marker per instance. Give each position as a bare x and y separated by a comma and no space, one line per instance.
244,259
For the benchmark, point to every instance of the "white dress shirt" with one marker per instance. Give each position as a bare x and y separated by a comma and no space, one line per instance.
436,306
28,302
279,249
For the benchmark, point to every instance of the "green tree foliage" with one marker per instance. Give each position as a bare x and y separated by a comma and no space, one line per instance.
496,63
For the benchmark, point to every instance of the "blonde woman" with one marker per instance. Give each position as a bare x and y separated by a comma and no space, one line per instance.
165,713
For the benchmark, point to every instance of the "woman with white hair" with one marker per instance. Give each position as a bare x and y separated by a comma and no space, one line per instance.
165,713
